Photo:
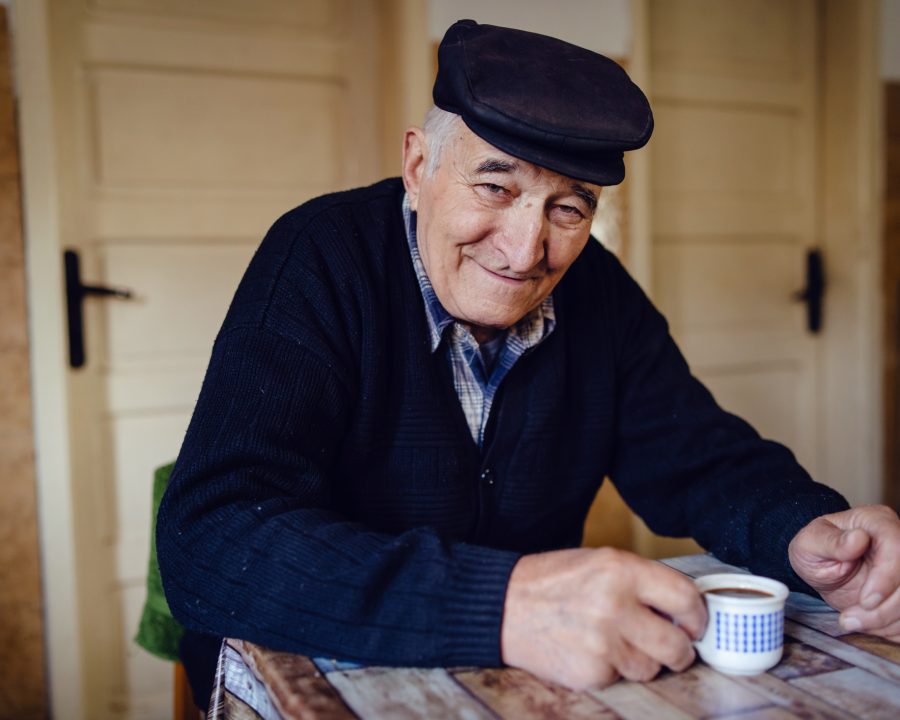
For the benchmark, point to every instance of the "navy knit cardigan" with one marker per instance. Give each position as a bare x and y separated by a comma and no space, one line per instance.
329,498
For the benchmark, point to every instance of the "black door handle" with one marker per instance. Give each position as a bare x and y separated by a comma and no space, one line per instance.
76,291
814,292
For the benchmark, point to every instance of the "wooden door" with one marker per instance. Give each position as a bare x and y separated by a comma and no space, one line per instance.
733,204
184,129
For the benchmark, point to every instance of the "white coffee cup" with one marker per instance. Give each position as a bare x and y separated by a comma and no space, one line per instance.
745,631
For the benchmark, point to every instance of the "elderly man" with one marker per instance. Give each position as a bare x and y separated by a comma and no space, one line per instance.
420,386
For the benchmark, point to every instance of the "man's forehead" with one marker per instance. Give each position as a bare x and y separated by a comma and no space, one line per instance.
481,158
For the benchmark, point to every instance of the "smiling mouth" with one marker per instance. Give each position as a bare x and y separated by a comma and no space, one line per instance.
509,278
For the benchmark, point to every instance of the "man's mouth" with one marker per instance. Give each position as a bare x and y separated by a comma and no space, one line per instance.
514,278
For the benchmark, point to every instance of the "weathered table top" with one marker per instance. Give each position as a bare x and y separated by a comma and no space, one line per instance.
825,673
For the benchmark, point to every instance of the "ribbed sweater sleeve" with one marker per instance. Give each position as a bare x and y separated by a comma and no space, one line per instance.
251,539
688,468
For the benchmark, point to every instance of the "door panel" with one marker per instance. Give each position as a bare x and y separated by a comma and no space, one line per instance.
169,129
191,281
314,15
750,39
729,282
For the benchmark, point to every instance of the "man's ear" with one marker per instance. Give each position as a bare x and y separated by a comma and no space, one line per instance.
415,151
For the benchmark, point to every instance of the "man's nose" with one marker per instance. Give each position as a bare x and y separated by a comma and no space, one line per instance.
522,240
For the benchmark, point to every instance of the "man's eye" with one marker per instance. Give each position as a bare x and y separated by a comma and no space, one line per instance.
493,189
570,211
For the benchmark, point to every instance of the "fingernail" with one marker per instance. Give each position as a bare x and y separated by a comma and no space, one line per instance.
851,623
872,601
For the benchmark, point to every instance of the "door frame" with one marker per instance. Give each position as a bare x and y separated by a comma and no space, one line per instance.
41,220
850,205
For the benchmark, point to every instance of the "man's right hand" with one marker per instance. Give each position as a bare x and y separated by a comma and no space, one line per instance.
584,618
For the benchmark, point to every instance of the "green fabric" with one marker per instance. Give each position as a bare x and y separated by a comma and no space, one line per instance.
158,632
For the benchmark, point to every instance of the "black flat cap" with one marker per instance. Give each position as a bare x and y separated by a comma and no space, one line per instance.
543,100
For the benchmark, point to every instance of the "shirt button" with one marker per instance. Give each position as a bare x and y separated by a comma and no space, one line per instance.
488,477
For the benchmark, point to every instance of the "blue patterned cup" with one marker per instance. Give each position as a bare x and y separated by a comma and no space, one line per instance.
745,632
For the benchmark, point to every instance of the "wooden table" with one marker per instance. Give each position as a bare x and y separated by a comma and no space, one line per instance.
825,673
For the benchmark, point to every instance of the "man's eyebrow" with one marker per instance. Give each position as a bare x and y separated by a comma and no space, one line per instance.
493,165
497,165
589,198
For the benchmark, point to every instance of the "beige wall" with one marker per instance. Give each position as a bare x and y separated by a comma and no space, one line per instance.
601,25
21,632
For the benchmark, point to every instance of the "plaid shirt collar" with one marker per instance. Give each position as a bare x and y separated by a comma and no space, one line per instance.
529,331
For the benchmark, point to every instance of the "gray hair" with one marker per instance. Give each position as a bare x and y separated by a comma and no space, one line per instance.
438,126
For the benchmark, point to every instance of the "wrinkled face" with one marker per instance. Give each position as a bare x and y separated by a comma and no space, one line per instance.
496,233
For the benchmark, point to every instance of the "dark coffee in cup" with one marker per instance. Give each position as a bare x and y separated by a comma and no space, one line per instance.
739,592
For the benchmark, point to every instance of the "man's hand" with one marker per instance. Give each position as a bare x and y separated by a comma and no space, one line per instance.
852,559
583,618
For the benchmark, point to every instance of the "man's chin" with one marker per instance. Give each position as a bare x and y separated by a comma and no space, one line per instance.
494,322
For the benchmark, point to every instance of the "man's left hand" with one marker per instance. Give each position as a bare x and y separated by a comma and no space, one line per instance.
852,559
